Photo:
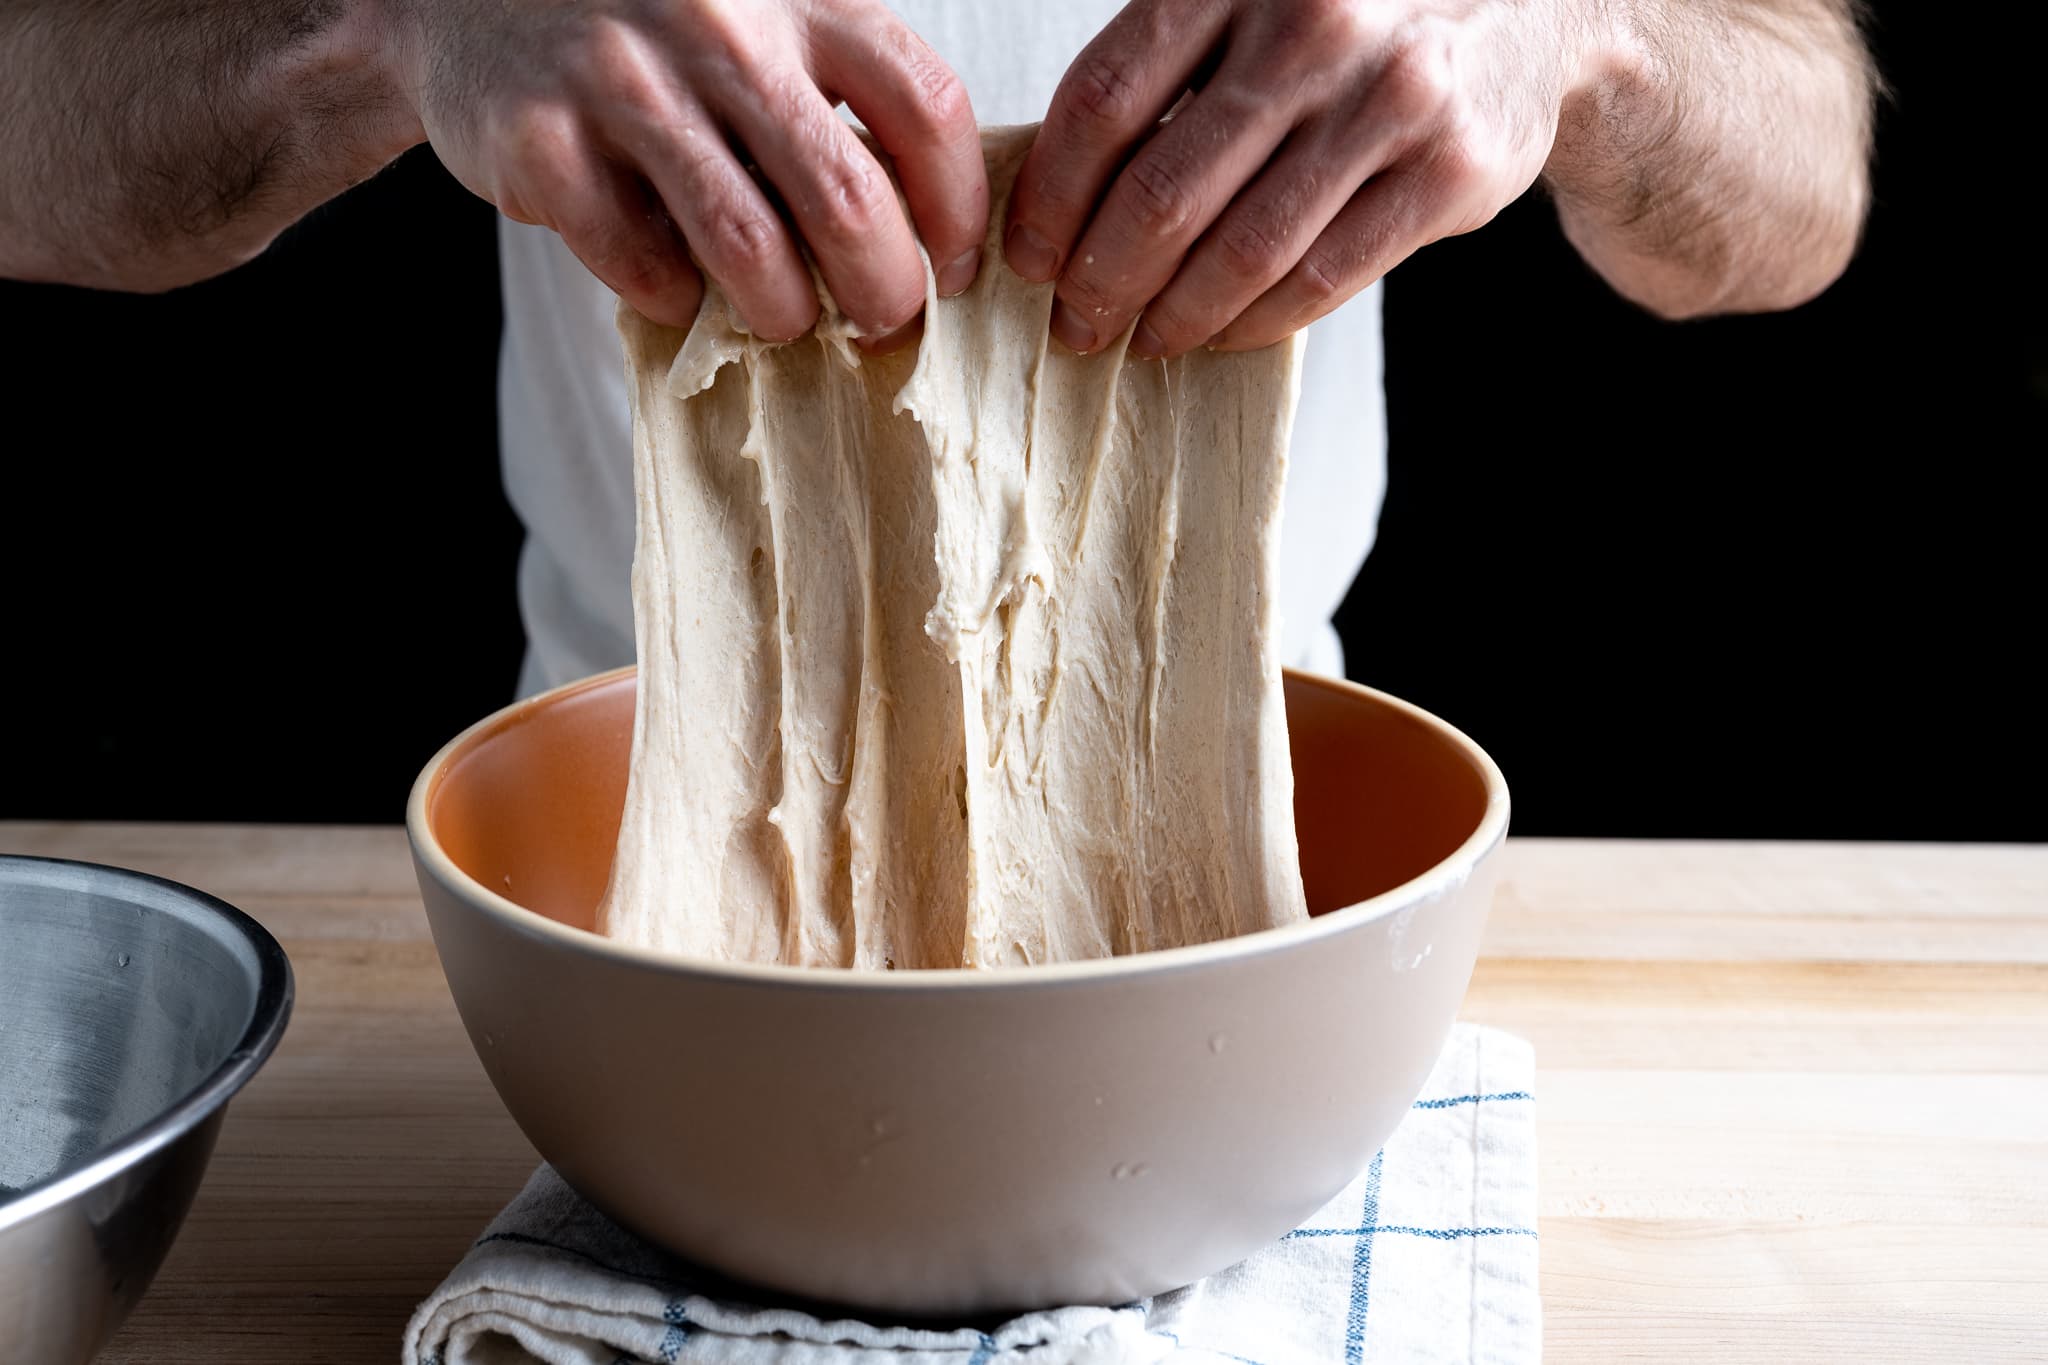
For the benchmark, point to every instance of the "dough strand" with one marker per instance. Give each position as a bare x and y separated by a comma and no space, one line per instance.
961,658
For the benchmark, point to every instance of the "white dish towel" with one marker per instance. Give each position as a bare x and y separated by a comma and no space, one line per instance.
1430,1255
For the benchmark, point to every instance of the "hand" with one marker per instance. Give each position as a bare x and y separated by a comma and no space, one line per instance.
1323,141
628,125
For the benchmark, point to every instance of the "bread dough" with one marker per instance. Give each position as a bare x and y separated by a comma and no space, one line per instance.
962,658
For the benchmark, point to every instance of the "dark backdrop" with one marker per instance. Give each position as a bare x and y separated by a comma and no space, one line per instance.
1773,576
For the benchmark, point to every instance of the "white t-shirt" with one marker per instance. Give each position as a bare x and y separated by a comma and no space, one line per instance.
566,437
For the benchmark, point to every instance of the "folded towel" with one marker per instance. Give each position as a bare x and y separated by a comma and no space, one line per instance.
1430,1255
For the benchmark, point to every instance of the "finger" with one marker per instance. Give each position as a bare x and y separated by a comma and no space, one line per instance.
920,114
1382,225
732,229
840,198
903,336
1112,96
1260,236
630,244
606,216
1183,176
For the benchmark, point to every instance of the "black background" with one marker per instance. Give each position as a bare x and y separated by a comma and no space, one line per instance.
1774,576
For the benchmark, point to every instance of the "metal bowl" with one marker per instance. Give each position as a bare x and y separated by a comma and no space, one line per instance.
954,1141
131,1010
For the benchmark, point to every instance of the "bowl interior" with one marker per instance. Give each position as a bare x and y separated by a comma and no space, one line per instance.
119,996
528,803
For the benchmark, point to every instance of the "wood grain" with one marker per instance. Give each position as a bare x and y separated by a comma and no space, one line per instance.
1792,1104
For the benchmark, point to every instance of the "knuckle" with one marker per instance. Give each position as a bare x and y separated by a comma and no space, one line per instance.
726,26
1317,24
1459,163
620,258
1248,248
1089,296
1306,45
783,93
1162,202
636,270
939,103
1418,78
612,53
701,164
1327,15
1457,170
852,193
839,192
1173,326
618,76
1320,275
740,238
1102,90
537,155
537,139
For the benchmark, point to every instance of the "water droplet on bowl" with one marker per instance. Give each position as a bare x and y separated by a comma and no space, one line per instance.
1128,1170
1217,1042
122,960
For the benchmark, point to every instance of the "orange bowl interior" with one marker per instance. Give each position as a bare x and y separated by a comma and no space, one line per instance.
528,804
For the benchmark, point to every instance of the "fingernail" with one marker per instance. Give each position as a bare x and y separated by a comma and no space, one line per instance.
1146,342
1030,255
960,273
893,341
1071,328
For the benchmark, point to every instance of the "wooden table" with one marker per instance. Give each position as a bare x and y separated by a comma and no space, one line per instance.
1793,1100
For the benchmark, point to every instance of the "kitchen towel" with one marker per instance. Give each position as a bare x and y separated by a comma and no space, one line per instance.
1430,1255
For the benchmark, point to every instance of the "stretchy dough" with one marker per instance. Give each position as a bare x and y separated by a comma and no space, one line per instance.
966,658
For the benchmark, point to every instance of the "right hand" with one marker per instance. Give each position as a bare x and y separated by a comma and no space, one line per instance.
628,127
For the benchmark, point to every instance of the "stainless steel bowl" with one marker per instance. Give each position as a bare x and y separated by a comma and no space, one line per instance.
131,1010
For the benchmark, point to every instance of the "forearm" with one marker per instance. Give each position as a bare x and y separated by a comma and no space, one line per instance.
149,143
1721,163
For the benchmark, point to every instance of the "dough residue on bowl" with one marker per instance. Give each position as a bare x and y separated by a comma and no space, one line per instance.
966,657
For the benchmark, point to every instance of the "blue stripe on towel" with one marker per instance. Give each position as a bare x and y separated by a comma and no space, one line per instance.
1361,1268
1456,1100
1439,1234
678,1325
678,1331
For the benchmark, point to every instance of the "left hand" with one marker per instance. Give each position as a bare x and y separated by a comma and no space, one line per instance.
1322,142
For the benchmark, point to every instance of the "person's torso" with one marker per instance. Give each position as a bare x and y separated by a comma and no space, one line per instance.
566,435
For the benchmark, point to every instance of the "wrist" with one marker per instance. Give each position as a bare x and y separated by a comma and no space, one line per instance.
1611,101
399,29
364,60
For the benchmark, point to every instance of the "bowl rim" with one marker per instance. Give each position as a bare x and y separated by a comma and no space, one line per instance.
1447,874
1438,881
272,1009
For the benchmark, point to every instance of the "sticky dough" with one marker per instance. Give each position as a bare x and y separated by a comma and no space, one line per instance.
961,658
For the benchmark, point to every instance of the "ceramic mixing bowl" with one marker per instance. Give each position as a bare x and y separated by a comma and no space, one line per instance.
948,1142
